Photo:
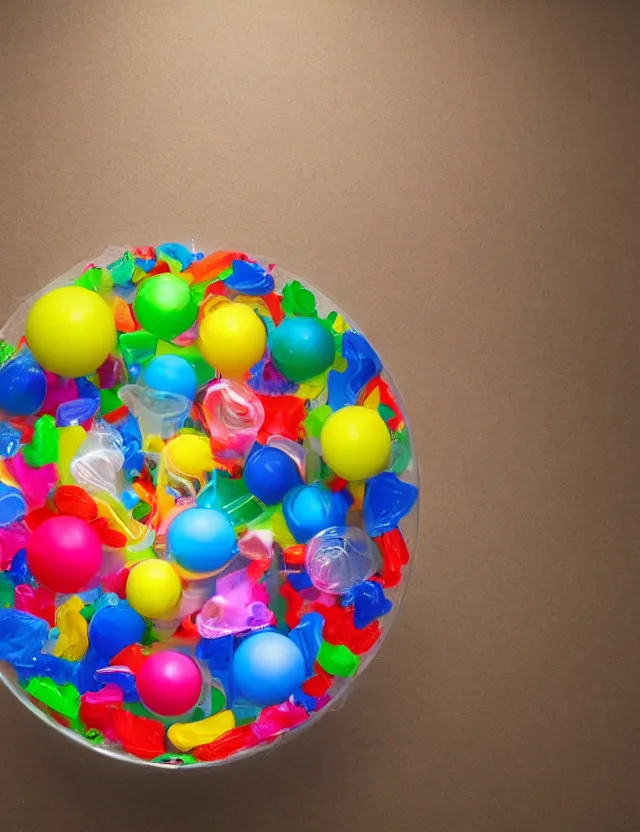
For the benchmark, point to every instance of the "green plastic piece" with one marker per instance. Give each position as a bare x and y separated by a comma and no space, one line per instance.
233,497
96,280
263,521
6,351
123,269
386,412
296,300
140,511
400,450
218,700
43,448
94,736
314,422
88,611
185,759
149,637
137,347
138,709
337,659
7,592
63,699
204,372
109,400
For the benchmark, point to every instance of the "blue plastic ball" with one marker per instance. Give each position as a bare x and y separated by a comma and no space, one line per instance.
23,385
267,668
269,473
302,348
113,628
171,374
201,539
308,509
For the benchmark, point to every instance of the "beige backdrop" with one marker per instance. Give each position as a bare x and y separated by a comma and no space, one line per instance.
463,178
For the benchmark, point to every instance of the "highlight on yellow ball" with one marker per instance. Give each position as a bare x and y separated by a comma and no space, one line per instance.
70,331
232,339
356,443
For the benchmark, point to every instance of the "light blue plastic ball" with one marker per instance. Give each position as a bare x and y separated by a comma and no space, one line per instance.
201,539
308,509
171,374
267,668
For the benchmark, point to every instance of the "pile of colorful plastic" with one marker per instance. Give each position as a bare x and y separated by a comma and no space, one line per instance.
202,482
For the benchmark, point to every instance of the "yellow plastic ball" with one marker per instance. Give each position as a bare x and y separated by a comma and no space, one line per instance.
153,588
232,339
190,454
356,443
70,331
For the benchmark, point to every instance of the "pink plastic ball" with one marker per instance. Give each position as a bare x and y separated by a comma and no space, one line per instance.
64,554
169,683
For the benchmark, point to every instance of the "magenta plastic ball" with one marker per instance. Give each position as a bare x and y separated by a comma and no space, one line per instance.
64,554
169,683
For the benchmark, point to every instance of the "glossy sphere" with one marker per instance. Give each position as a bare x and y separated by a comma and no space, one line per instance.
267,668
339,557
153,588
302,348
169,683
114,628
164,306
171,374
270,473
70,331
190,454
64,553
232,339
356,443
23,385
308,509
201,540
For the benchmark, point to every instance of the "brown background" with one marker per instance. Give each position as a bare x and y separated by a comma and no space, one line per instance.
463,178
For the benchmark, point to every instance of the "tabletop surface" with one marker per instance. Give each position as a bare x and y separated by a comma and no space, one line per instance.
461,177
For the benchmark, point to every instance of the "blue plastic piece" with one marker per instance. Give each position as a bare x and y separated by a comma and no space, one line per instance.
249,278
369,602
23,385
217,654
265,378
267,668
19,571
145,265
300,581
13,506
87,669
201,539
76,412
176,251
122,677
113,628
58,670
129,499
363,364
308,509
131,446
9,440
270,473
22,637
171,374
303,700
308,638
387,500
87,389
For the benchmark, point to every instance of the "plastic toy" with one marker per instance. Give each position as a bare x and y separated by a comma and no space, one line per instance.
70,331
64,554
164,306
208,503
356,443
232,339
171,374
169,683
267,668
201,540
302,348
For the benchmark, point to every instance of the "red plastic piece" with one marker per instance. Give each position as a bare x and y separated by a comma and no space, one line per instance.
97,709
318,684
294,555
274,304
386,398
74,501
144,253
117,583
139,735
108,536
116,415
339,628
283,416
160,268
36,600
187,631
395,555
294,605
37,516
132,657
230,743
338,484
212,265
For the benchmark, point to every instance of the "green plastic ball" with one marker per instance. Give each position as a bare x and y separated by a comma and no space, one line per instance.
164,306
302,348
